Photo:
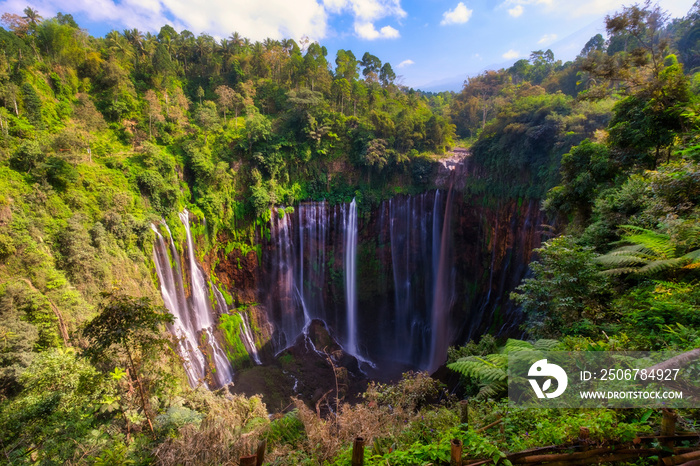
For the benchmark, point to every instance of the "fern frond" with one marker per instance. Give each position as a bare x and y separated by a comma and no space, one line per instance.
493,390
478,368
631,248
659,243
498,360
659,266
616,260
619,271
516,345
692,256
547,345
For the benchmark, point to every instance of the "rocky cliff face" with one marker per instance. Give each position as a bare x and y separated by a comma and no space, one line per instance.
428,271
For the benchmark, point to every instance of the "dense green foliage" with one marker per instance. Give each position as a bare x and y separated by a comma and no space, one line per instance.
101,137
625,274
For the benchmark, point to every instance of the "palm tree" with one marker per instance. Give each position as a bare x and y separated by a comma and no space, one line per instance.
119,46
32,17
150,44
269,44
185,47
236,41
135,38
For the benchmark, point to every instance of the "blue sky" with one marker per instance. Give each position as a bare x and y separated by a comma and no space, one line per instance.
431,44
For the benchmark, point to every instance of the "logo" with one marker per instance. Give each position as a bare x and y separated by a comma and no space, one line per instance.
542,369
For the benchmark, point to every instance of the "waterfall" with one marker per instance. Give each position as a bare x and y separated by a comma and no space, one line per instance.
248,339
221,306
315,274
312,234
200,298
194,317
350,231
411,244
202,309
300,275
442,296
286,299
174,299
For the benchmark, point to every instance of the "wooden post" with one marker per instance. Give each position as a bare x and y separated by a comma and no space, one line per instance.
248,460
456,453
464,412
583,436
668,426
668,423
668,429
358,452
260,455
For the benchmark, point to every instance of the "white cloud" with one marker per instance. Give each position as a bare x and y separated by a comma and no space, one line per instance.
406,63
517,5
366,12
459,15
369,32
516,11
575,8
276,19
510,54
273,18
547,39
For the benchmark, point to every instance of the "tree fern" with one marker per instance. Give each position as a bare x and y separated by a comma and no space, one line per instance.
650,253
491,371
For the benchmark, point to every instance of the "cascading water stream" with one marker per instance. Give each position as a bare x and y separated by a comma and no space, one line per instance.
288,299
442,296
203,312
350,229
200,298
316,275
174,299
194,317
248,339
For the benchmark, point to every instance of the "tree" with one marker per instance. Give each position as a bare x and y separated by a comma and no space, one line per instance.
342,89
155,111
227,98
316,67
371,67
649,120
359,92
32,17
645,25
27,157
387,75
594,44
257,129
207,117
484,90
635,53
32,104
566,294
345,65
15,23
131,327
584,171
375,155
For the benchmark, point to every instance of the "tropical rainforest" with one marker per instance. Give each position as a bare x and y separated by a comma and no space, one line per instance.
107,143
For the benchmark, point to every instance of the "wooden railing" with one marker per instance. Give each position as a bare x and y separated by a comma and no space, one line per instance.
585,451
